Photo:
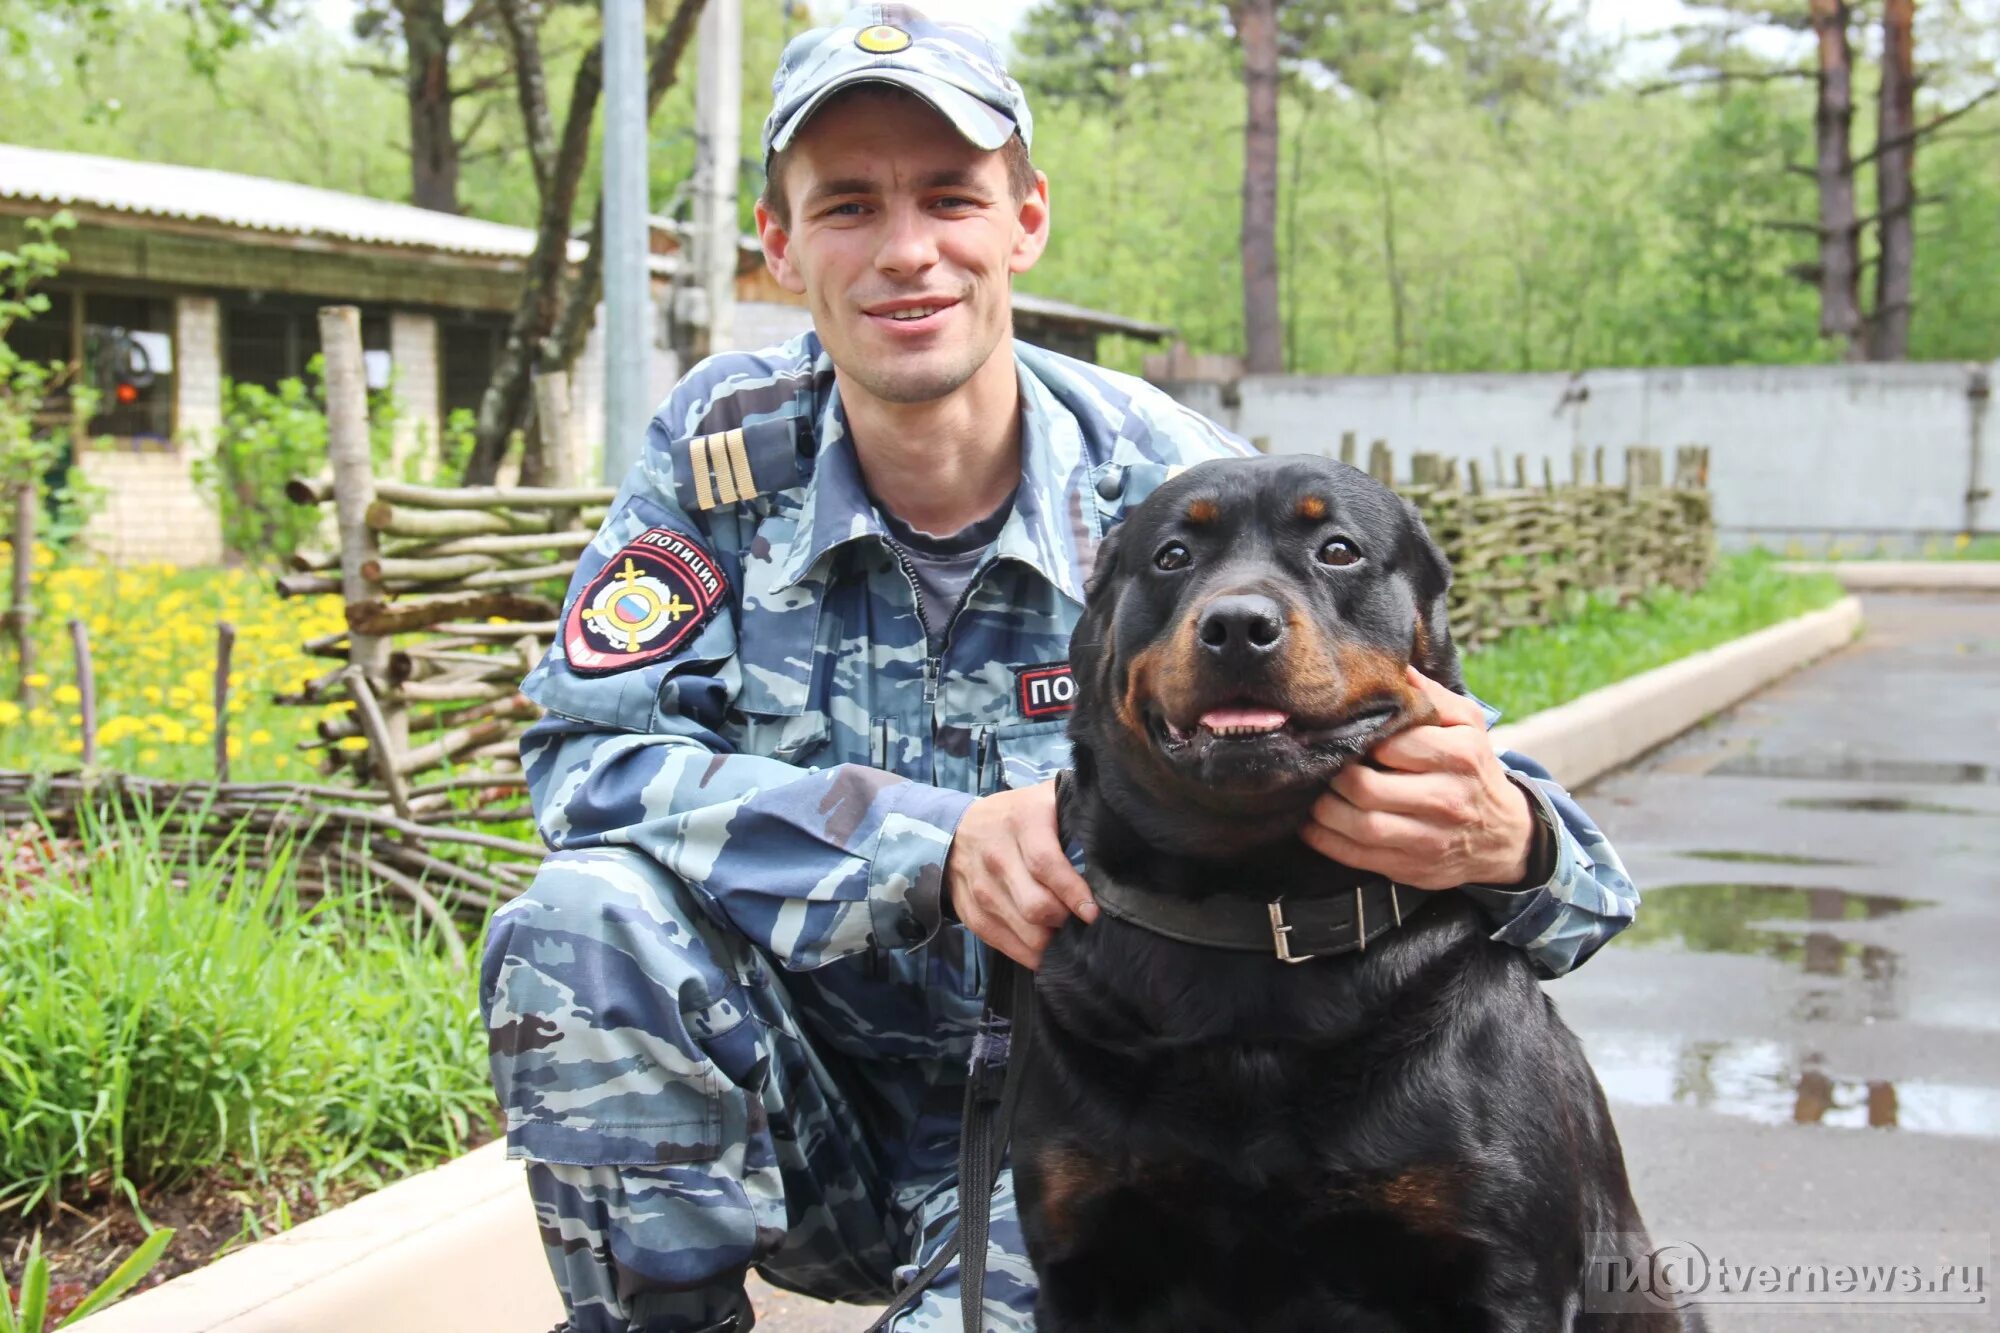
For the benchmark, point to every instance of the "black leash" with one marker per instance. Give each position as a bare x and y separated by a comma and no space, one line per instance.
992,1092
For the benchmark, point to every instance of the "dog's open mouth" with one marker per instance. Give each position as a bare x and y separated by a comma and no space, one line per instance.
1247,724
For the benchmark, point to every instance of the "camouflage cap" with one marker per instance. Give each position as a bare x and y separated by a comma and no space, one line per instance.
950,65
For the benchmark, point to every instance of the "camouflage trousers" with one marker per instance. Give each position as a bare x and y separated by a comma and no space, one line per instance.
689,1111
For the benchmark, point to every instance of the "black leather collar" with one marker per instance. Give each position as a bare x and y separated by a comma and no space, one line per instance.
1293,931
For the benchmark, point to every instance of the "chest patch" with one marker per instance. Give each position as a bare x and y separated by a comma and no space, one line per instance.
647,602
1045,691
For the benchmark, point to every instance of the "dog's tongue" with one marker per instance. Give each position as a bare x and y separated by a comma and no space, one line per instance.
1243,719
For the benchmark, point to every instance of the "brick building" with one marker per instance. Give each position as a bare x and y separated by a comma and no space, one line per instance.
180,277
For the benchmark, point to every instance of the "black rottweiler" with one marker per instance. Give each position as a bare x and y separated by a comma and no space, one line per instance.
1403,1137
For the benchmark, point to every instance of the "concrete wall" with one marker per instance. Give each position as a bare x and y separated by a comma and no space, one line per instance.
1801,455
197,371
151,512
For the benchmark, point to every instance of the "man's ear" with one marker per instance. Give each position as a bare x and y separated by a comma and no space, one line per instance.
777,243
1033,216
1433,651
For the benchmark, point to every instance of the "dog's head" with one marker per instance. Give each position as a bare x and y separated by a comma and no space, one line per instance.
1245,634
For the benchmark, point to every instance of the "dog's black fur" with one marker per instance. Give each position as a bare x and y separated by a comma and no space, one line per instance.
1402,1139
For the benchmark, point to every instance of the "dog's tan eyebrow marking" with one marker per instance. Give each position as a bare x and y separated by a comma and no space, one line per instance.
1203,511
1312,508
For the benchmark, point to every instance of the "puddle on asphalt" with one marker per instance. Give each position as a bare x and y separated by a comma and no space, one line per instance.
1841,768
1788,924
1877,805
1767,858
1767,1082
1849,980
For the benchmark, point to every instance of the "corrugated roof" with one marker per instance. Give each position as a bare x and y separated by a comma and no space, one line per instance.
225,198
256,203
1026,304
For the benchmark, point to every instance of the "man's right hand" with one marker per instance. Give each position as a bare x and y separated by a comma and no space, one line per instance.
1007,877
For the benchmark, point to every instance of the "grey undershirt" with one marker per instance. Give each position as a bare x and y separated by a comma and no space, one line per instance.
944,565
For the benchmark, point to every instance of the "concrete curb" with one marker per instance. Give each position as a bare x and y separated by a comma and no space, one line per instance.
1588,737
456,1248
452,1248
1906,575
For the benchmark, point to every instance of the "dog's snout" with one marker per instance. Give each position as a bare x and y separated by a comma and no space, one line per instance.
1241,626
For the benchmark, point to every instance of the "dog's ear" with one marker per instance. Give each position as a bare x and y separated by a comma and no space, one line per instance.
1433,652
1107,560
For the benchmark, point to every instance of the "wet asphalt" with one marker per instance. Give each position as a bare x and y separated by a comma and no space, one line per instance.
1800,1039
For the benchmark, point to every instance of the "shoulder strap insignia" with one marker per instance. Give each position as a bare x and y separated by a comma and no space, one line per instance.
733,466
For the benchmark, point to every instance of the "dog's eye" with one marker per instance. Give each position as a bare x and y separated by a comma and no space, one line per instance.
1172,556
1339,552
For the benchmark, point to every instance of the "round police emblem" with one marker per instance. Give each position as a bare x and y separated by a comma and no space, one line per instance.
645,603
882,39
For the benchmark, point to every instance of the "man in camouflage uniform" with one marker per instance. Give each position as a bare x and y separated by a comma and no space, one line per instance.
794,740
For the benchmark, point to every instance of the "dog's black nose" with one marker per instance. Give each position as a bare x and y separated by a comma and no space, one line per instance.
1241,626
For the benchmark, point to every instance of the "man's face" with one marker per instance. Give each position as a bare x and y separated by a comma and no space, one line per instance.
904,238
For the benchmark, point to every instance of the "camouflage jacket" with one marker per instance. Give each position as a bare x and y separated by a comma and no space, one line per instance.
801,755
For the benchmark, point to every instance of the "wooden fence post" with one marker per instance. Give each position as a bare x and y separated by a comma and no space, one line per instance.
353,492
225,643
1347,447
21,611
557,462
86,688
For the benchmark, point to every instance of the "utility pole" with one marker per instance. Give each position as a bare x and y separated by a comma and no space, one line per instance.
718,149
628,337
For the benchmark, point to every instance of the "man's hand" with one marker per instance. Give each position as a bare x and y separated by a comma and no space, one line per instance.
1444,813
1007,877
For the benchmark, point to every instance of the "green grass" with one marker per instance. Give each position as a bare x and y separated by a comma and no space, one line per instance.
1962,547
161,1018
1532,669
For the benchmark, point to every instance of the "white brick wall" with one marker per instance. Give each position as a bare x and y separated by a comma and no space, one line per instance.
197,371
413,351
151,511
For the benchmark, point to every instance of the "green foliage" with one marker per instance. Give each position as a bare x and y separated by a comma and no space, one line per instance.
29,1315
267,438
166,1016
32,447
1532,669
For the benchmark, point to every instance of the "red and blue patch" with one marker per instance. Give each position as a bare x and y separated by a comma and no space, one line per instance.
646,603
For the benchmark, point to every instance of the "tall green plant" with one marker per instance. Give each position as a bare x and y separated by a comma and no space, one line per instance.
267,438
31,1313
166,1015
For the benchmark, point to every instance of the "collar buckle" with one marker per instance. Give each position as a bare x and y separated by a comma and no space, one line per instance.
1280,928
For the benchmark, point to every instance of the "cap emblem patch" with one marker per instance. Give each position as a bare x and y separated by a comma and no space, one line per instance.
646,602
882,39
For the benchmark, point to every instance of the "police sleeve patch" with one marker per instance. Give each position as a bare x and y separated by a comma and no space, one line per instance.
1046,691
648,601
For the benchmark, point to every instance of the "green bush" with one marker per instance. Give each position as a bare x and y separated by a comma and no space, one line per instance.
160,1017
1528,670
267,438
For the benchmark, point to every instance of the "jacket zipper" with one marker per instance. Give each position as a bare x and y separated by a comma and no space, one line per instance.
934,653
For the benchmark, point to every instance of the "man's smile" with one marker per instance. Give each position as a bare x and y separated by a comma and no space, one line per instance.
912,315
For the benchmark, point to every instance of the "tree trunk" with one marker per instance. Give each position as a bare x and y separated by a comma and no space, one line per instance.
1839,232
1895,184
427,85
504,405
1263,328
552,320
1392,266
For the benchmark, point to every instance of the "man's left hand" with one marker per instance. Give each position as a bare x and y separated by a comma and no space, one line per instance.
1440,810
